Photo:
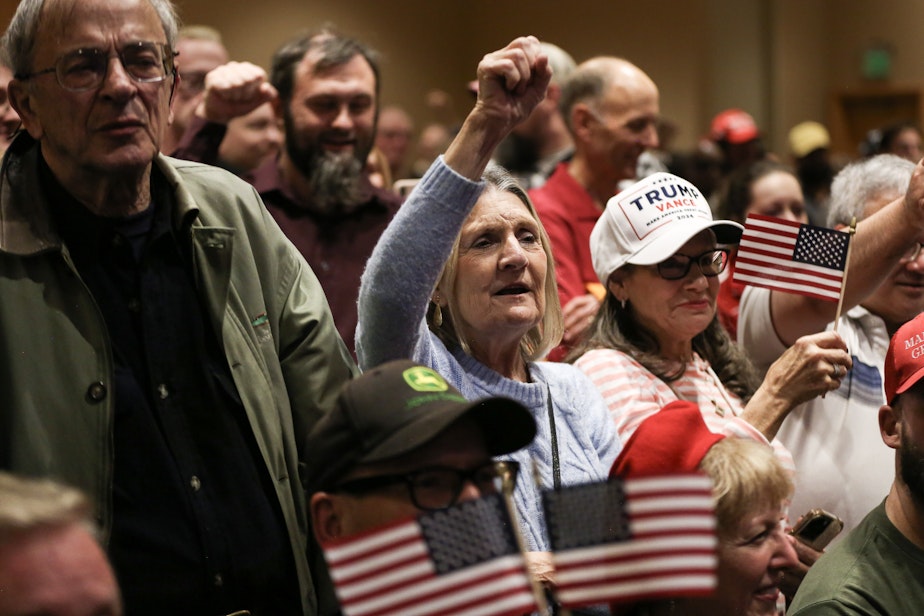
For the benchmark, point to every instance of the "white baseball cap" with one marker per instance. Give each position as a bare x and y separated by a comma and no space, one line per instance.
651,220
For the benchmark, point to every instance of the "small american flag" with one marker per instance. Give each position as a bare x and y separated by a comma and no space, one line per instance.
792,257
633,539
463,560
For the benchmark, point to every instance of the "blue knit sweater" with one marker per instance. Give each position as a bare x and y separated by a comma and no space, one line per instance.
393,298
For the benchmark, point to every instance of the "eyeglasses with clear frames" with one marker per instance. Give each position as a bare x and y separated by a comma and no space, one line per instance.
711,263
912,253
435,488
85,69
192,82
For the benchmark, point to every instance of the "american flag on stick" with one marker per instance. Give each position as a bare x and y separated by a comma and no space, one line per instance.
792,257
633,539
463,560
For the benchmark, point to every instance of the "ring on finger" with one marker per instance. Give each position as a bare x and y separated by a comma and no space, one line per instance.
836,374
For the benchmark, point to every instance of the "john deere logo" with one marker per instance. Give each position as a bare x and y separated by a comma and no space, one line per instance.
424,379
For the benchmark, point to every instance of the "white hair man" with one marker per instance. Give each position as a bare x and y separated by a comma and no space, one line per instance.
186,349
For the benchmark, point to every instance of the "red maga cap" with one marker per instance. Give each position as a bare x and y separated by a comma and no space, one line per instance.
734,126
904,364
673,440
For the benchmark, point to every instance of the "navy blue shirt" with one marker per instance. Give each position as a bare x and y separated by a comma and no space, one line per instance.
197,528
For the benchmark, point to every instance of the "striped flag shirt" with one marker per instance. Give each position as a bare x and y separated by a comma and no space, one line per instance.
791,257
633,394
634,539
461,561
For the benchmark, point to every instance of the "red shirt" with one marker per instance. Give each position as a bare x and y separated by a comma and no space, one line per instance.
568,214
728,300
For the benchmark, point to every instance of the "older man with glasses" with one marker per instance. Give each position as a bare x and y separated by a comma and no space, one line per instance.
164,347
400,441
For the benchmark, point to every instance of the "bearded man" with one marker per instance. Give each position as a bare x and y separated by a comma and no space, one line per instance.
879,566
325,90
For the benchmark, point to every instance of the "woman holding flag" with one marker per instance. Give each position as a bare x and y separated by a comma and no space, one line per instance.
656,338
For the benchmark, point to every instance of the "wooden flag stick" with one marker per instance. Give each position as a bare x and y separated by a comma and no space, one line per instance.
840,300
538,592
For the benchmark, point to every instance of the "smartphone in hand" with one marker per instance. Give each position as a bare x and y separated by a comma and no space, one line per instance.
817,528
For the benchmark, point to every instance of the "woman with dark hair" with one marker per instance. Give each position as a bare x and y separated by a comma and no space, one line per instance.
766,187
745,193
656,338
463,281
902,139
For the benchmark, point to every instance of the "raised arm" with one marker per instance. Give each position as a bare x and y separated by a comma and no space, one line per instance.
408,259
511,82
232,90
878,245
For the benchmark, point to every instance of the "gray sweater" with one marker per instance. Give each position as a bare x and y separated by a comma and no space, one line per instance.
393,298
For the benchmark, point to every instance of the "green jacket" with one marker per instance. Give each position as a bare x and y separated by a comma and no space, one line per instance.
56,364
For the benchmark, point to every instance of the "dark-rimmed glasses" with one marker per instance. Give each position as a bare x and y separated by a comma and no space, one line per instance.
438,487
85,69
711,263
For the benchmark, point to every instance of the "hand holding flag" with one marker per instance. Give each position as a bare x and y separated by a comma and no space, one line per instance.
791,257
462,560
633,539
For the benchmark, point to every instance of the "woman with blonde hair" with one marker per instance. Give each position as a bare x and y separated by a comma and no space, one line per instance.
750,490
463,281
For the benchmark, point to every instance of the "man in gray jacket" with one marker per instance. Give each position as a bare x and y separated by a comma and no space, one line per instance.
162,346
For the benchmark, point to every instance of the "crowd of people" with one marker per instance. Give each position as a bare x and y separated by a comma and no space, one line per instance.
239,322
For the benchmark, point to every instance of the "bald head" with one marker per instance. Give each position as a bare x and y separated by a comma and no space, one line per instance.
606,77
611,108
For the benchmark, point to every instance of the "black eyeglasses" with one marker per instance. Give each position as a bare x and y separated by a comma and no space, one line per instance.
85,69
438,487
711,263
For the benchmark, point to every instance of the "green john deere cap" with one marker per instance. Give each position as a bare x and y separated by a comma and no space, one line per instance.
397,407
